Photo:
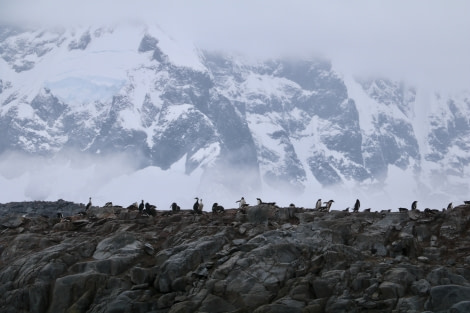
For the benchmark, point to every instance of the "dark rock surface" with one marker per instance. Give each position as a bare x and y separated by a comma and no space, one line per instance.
268,259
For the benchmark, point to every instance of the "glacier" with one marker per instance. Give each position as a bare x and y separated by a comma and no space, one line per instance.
217,125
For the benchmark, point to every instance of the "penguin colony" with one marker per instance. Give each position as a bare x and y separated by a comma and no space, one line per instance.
147,209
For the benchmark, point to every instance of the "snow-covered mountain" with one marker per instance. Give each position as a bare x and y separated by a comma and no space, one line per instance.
292,125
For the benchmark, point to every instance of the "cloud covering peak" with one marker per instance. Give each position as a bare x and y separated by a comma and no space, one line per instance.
419,41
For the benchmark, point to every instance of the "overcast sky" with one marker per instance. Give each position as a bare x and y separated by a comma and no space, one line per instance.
424,41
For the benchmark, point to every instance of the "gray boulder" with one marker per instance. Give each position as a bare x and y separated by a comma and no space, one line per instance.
461,307
444,297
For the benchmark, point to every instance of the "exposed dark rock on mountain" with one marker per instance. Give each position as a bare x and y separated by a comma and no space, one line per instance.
287,122
269,259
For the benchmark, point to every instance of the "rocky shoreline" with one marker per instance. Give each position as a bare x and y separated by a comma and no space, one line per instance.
268,259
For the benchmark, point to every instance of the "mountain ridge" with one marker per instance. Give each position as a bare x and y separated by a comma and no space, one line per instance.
291,124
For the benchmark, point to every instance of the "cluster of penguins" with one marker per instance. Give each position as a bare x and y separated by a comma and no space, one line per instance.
414,207
198,206
150,210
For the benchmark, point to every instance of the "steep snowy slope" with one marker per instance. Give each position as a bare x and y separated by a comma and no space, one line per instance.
236,126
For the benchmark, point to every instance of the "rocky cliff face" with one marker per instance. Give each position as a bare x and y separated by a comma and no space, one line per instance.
290,123
268,259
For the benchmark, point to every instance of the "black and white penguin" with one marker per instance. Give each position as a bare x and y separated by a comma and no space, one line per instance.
357,205
261,202
450,206
318,204
414,205
327,206
141,206
150,209
216,208
197,206
133,207
175,207
241,203
292,209
88,206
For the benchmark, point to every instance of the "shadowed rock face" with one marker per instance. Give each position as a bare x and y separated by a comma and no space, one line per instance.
268,259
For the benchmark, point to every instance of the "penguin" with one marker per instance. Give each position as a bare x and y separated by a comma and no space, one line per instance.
196,206
201,206
414,205
402,210
328,204
261,202
150,209
318,204
450,206
141,206
292,209
327,207
216,208
88,206
133,206
357,205
346,210
241,203
430,212
175,207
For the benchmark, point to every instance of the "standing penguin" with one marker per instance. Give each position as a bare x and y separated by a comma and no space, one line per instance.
141,206
318,204
414,205
327,206
357,205
241,203
196,205
450,206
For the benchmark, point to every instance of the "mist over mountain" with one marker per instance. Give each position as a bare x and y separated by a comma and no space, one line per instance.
128,111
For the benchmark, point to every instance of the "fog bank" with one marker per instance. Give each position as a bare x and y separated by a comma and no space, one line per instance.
76,177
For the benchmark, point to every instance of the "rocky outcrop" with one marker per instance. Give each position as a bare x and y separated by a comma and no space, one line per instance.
40,208
265,260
